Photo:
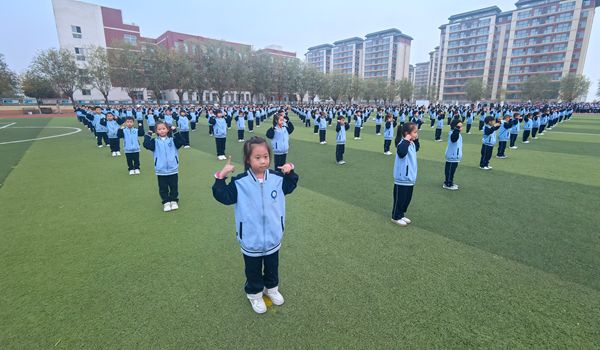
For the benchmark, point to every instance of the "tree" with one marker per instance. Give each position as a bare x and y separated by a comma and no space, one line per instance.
98,71
199,79
368,89
8,79
392,90
313,81
220,67
157,70
59,67
355,89
474,90
182,73
259,80
540,88
573,87
380,87
598,92
432,93
126,69
37,86
405,90
339,85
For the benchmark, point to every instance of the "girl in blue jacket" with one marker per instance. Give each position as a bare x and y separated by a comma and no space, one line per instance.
166,163
259,198
280,137
453,154
405,171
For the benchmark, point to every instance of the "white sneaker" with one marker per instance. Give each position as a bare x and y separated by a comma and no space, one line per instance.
388,153
513,147
526,141
167,207
274,295
379,134
454,187
137,171
359,138
131,172
240,140
341,162
99,146
356,138
469,133
186,146
407,220
489,167
114,154
446,187
257,302
174,205
118,153
400,222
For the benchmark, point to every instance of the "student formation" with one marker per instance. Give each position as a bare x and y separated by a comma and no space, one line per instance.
258,191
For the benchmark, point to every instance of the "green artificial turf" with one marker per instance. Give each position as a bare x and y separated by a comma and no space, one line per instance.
511,260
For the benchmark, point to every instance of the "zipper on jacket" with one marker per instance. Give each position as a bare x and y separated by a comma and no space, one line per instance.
262,199
406,170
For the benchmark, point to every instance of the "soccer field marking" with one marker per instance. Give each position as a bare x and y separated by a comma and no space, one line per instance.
75,130
7,125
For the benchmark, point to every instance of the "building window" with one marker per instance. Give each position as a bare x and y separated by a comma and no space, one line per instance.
86,92
130,39
76,31
79,54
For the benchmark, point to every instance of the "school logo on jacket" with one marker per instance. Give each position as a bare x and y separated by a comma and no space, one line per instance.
274,194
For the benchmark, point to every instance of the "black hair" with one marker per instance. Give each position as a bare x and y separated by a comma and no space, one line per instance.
249,145
129,118
488,119
454,123
404,129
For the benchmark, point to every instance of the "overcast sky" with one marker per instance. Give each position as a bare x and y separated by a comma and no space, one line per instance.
28,25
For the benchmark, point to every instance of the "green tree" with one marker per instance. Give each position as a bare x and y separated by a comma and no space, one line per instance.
474,90
405,90
182,74
98,71
540,88
8,79
313,81
573,87
380,87
37,86
339,85
157,71
368,89
355,89
127,69
59,67
259,80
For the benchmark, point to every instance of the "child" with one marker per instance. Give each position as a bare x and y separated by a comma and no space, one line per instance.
250,118
536,125
166,163
439,125
220,131
504,136
259,198
453,154
469,122
151,122
240,123
183,125
112,126
388,133
131,145
514,130
527,126
358,122
340,140
378,122
405,171
488,142
99,123
280,137
322,123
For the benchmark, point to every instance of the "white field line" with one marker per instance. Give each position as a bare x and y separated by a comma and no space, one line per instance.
7,125
75,130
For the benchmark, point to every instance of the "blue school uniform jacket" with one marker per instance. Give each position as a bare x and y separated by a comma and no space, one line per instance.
280,138
405,165
112,128
166,157
454,149
504,133
220,127
131,143
96,121
259,208
388,130
340,136
183,123
489,135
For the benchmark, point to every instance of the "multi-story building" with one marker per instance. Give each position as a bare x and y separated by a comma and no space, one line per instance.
421,82
83,25
320,57
505,49
434,76
346,55
386,55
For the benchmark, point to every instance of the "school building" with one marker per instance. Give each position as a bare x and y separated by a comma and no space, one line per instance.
504,49
81,25
384,54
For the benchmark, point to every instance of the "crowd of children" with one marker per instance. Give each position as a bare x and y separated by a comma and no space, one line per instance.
258,193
